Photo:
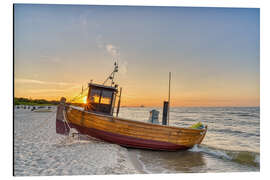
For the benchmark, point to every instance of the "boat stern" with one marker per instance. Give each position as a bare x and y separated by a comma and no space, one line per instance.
61,123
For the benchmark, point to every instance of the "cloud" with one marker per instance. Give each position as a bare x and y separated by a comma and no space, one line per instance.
47,90
123,67
33,81
86,18
99,41
113,50
109,48
50,59
87,22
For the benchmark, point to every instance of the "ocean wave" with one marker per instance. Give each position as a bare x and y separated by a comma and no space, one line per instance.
247,114
242,157
236,132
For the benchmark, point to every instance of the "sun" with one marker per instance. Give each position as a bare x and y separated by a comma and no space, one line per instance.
85,99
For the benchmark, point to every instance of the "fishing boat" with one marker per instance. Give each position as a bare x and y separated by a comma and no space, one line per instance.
98,119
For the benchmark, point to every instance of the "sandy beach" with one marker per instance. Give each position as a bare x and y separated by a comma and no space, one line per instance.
38,150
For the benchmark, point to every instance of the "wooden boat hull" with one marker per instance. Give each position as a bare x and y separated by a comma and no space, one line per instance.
126,132
122,140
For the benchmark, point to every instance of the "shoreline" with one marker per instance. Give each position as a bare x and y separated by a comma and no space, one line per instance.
135,162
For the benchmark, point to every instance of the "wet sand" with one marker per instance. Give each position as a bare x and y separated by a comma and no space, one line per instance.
134,159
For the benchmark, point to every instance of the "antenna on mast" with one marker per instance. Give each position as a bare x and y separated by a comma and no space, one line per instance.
111,76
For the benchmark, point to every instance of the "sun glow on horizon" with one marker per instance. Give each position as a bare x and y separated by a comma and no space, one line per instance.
85,99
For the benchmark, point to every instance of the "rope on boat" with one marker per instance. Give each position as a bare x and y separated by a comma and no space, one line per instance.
76,132
64,115
71,130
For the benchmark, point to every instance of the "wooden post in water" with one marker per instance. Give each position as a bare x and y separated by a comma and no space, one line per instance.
165,113
166,106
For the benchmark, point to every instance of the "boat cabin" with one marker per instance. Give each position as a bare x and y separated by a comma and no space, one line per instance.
101,99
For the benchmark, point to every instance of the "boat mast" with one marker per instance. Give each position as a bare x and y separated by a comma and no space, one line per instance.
111,76
118,105
169,97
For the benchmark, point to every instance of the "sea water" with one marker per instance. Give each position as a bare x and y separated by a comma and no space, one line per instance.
232,142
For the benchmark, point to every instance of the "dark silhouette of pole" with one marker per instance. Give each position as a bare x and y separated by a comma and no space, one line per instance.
118,105
165,113
169,97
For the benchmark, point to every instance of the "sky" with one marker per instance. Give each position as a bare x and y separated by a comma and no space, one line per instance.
212,53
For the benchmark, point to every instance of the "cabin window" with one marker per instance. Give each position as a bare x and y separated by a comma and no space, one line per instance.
106,97
101,96
100,100
95,95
